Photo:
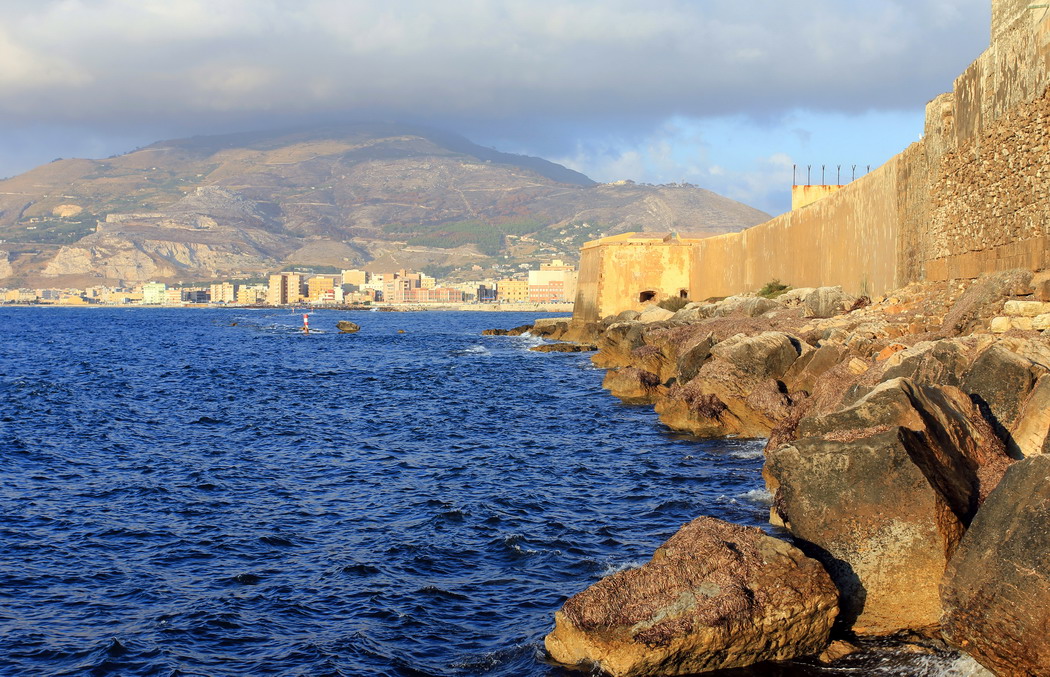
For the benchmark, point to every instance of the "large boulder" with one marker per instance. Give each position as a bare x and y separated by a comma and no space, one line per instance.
347,327
632,385
766,355
714,596
1000,381
655,314
1030,434
996,589
883,491
828,302
617,343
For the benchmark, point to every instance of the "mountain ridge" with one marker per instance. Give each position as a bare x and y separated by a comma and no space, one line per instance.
362,194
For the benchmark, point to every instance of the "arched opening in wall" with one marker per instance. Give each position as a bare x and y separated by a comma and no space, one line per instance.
683,293
646,296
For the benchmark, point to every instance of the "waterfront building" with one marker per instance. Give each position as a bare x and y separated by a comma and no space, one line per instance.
322,285
285,289
224,292
251,295
512,291
153,293
358,278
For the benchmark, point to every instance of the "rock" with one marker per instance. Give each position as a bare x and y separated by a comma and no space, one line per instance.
748,306
810,366
769,354
1041,322
655,314
795,297
996,589
549,327
982,301
836,650
1025,308
714,596
517,331
929,363
564,348
883,491
617,343
347,327
692,358
628,316
828,302
1030,435
1000,380
631,385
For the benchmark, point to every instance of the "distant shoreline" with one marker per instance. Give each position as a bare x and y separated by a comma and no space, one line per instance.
400,308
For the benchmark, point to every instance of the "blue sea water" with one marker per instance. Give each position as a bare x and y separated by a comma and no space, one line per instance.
212,492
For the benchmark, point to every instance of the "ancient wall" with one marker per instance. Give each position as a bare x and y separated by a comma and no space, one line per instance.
616,271
840,239
972,197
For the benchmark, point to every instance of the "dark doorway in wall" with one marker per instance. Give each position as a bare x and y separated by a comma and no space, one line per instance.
683,293
646,296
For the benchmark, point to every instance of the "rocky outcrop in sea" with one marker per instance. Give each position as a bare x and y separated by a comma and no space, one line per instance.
907,441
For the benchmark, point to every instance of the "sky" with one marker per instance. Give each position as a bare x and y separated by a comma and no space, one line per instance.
724,94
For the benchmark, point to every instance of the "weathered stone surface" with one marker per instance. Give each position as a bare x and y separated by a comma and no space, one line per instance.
1025,308
876,523
930,363
1030,435
804,372
827,302
347,327
617,343
564,348
883,490
631,385
767,355
692,358
714,596
1000,380
655,314
996,589
517,331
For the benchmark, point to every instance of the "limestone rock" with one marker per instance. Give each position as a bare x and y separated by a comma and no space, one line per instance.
564,348
1030,435
617,343
769,354
690,360
655,314
347,327
631,385
884,490
714,596
1000,381
517,331
827,302
997,586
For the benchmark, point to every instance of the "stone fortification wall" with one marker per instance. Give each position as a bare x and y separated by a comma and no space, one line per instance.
972,197
842,238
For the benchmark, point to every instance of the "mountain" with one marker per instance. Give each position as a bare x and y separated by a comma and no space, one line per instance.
382,196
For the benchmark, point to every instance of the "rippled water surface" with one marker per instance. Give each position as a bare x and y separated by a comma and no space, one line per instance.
190,492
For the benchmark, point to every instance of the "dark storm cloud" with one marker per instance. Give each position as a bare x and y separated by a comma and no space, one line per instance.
196,63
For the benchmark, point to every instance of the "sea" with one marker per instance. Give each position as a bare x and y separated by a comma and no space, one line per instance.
216,492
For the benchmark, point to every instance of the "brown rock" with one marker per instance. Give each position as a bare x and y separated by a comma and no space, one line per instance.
564,348
617,343
347,327
1000,381
714,596
883,490
997,586
632,386
766,355
1030,435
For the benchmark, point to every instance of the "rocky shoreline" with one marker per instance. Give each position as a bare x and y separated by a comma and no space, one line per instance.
907,459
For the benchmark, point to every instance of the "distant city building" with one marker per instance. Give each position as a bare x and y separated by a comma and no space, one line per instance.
224,292
252,295
285,289
358,278
321,285
153,293
512,291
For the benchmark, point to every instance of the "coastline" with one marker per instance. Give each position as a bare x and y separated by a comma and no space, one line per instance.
890,426
462,307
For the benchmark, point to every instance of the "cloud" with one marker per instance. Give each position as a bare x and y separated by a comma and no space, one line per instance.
475,60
